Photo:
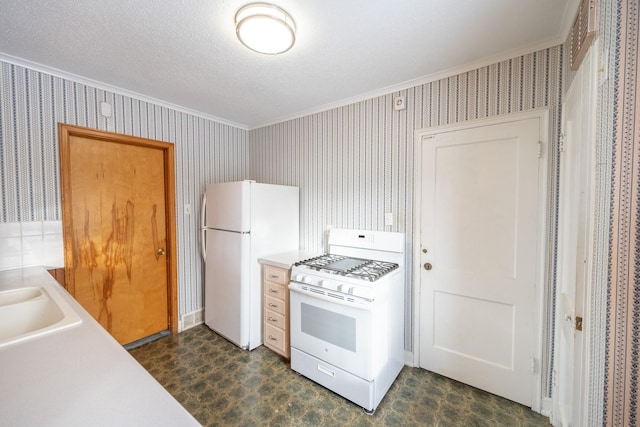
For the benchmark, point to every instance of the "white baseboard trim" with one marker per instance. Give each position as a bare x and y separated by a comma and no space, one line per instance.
189,320
408,359
546,406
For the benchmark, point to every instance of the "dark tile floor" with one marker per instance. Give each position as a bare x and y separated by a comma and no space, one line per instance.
222,385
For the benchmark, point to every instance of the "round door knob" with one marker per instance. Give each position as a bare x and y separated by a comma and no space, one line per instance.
427,266
160,251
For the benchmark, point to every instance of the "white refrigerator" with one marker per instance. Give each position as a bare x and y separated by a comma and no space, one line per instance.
241,222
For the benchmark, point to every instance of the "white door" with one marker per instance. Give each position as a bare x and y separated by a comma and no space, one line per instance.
574,244
479,233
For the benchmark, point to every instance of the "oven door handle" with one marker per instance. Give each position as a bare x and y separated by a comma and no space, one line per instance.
362,304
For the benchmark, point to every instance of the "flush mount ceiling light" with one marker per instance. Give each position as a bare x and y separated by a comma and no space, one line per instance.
265,28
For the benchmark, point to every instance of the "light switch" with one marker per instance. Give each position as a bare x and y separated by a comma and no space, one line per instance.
388,218
187,209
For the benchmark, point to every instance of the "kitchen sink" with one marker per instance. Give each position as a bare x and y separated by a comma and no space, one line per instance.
33,312
14,296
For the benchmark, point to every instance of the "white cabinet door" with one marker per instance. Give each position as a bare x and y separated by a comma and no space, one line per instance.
479,216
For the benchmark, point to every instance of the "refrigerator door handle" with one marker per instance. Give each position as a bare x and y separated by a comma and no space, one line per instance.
203,245
203,218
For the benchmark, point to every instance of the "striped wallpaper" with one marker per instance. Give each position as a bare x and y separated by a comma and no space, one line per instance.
31,105
354,163
620,147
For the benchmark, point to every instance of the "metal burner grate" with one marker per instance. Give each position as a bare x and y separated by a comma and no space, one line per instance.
319,262
363,269
372,270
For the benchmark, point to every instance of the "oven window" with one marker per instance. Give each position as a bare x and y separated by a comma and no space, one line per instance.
329,326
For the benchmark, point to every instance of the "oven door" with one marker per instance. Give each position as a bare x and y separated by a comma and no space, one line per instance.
335,331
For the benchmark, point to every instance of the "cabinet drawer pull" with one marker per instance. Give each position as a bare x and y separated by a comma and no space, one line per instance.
273,276
273,291
272,319
272,338
272,305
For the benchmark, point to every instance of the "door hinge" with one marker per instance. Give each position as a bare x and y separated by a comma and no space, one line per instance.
562,146
534,366
539,149
578,323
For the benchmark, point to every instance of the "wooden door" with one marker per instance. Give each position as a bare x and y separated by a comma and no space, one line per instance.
117,194
479,237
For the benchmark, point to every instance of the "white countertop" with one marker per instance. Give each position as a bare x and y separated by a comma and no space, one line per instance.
287,259
79,376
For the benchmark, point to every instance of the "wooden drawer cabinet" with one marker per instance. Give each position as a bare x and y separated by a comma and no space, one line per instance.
276,275
275,319
275,339
276,305
275,282
274,290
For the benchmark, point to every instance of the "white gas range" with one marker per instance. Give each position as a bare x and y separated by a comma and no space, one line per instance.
347,322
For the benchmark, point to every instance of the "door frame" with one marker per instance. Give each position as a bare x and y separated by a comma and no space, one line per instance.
427,133
65,132
584,86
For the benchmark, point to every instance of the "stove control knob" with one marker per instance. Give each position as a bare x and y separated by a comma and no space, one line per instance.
307,279
298,278
351,289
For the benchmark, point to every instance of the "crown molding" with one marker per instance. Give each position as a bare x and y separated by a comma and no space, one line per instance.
555,41
109,88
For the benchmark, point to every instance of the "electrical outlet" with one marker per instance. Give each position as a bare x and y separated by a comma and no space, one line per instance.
187,209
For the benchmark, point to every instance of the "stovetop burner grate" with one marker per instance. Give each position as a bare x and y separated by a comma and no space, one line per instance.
363,269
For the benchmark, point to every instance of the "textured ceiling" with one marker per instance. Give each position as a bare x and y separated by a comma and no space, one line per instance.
185,52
